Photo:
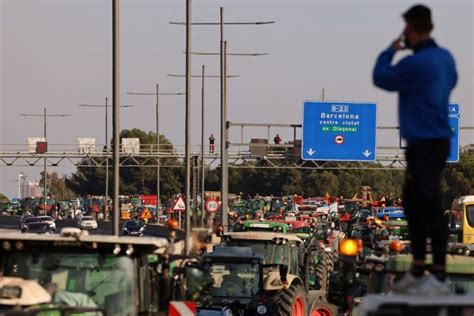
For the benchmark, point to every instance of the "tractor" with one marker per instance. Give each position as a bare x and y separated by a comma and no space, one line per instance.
295,275
80,274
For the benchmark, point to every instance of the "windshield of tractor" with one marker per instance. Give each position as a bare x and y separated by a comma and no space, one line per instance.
234,279
272,253
79,279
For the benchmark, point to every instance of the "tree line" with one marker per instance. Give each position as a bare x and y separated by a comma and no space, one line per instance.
458,178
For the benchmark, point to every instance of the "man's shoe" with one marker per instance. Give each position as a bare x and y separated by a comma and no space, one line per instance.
432,286
407,282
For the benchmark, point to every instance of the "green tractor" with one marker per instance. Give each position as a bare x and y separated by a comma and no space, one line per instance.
234,283
77,274
295,275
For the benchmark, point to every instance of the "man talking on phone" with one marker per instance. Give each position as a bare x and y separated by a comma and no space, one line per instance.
424,81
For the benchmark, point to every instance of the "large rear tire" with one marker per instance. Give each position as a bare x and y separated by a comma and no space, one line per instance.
322,273
324,269
290,302
323,308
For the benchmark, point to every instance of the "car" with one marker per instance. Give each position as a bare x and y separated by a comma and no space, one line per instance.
49,220
87,222
26,220
37,227
134,228
23,219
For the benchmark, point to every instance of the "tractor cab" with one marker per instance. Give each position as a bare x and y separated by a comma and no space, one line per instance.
116,275
234,281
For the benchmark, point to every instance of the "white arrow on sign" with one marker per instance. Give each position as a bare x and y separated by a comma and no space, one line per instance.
366,153
310,151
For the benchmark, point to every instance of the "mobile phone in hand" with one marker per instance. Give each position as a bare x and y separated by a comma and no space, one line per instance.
403,41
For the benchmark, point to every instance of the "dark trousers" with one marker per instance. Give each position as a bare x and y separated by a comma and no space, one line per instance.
422,198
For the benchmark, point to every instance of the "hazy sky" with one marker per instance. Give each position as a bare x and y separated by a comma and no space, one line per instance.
57,53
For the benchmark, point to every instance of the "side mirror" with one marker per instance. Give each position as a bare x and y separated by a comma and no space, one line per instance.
283,269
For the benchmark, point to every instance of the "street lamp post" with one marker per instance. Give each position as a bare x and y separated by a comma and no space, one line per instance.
45,177
116,112
203,166
187,182
223,100
106,106
157,94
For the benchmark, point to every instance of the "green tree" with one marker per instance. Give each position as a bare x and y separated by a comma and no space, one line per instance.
317,183
57,187
458,179
4,198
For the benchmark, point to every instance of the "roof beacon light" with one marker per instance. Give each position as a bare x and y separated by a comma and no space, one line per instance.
396,246
173,224
349,247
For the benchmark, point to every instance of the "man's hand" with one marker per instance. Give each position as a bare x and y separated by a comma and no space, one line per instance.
398,44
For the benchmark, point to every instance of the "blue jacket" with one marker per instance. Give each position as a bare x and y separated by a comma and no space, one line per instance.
424,82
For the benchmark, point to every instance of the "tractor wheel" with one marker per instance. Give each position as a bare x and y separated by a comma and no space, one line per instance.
290,302
322,273
325,268
329,266
330,259
323,308
335,255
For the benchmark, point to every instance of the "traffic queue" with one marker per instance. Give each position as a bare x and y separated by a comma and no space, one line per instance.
277,256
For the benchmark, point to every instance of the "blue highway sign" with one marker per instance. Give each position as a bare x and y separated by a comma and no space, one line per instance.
344,131
454,116
454,109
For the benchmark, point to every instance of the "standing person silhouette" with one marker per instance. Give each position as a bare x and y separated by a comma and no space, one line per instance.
424,81
212,145
277,139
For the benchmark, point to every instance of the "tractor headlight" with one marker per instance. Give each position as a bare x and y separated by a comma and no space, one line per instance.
379,267
369,265
261,309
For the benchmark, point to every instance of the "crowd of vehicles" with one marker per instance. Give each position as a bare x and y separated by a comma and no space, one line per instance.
99,207
309,258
